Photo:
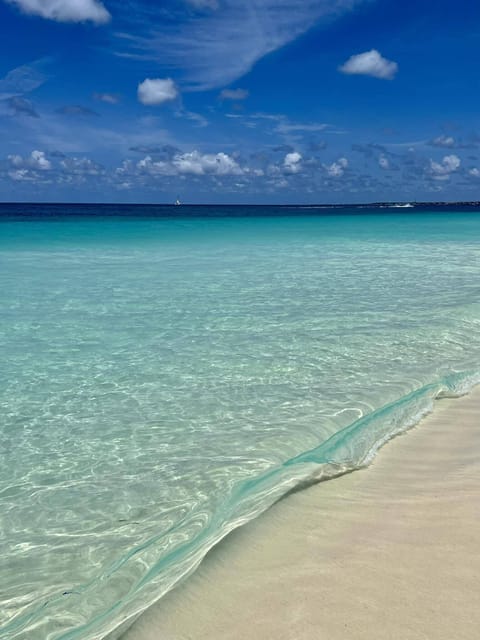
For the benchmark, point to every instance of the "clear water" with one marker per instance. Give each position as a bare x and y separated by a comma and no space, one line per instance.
164,379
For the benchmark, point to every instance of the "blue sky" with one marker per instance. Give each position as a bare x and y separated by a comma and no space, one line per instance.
278,101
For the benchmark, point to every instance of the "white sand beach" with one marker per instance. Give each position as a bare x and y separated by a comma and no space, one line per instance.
390,552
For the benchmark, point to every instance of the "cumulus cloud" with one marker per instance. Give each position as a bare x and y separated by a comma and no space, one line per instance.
39,161
81,167
443,141
292,162
475,173
29,168
384,162
370,63
234,94
65,10
218,164
449,142
193,163
156,91
36,160
442,171
20,174
336,169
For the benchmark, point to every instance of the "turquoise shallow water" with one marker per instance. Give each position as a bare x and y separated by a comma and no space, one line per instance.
165,379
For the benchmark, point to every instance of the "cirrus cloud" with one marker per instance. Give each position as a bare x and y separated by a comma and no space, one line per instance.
109,98
234,94
215,48
24,79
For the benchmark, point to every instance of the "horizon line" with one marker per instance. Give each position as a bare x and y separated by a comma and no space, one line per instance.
392,203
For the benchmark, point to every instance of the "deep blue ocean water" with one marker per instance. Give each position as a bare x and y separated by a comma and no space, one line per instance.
169,372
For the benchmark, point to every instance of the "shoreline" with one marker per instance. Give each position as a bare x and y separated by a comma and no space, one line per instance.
390,546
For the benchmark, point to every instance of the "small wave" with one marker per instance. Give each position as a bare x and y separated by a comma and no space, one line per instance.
352,448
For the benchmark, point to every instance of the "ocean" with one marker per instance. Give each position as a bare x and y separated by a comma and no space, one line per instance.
168,373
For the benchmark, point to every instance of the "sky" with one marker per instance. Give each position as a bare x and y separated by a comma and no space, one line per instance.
230,101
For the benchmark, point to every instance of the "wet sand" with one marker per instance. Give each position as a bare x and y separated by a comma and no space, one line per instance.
390,552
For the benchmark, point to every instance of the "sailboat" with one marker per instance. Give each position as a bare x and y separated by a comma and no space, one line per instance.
177,202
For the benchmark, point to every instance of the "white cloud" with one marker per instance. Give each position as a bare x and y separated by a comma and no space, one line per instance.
370,63
157,91
20,175
200,120
383,162
443,141
216,48
39,161
150,166
110,98
28,169
234,94
442,171
336,169
219,164
37,168
65,10
292,162
474,172
290,127
284,126
81,166
194,163
36,160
